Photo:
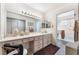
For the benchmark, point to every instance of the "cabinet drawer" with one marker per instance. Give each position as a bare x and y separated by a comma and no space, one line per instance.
31,39
45,37
40,46
13,42
19,42
45,40
16,42
38,38
27,40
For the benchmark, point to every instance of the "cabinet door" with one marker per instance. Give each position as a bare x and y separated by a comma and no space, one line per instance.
49,39
45,41
37,43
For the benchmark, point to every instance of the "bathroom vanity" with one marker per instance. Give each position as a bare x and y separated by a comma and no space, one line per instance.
32,42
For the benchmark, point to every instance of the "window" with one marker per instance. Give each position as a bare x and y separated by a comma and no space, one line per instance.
63,18
65,21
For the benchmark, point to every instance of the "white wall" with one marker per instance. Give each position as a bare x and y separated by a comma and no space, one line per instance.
18,7
51,15
0,21
3,19
0,8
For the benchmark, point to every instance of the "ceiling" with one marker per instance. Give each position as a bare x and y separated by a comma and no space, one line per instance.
44,7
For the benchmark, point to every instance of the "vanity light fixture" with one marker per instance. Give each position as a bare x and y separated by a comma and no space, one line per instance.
29,14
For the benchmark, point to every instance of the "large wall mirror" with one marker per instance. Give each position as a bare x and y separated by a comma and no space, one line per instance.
15,25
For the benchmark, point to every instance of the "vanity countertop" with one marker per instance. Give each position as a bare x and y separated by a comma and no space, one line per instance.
22,37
